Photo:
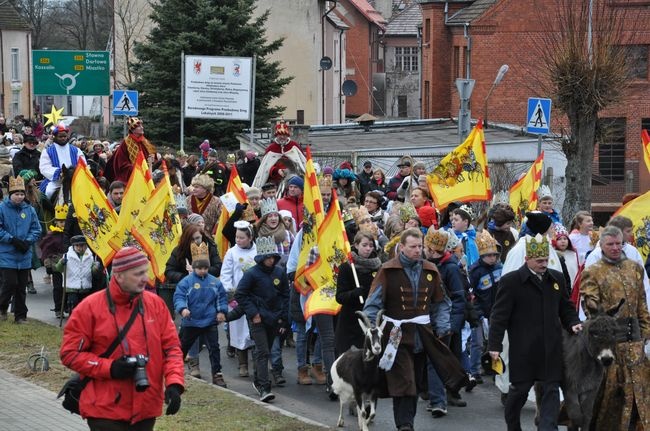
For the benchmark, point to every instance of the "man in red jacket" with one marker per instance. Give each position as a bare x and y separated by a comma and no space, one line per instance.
112,400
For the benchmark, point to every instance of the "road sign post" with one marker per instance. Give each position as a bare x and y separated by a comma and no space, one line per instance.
465,87
538,119
71,73
125,102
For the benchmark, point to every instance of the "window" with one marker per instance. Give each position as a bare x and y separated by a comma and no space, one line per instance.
427,30
15,64
427,96
611,148
645,124
456,64
406,59
638,61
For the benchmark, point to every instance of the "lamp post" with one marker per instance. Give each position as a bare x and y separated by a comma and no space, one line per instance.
502,72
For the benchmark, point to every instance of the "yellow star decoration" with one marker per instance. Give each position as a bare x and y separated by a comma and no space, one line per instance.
54,116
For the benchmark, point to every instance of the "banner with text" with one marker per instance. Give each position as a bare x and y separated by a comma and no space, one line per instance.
218,87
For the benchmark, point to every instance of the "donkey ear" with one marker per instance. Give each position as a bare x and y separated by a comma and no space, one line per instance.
614,310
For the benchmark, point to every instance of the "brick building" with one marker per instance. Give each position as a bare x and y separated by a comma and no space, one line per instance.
472,39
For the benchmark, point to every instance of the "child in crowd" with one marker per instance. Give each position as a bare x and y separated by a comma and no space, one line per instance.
568,256
201,301
545,204
580,236
52,250
78,266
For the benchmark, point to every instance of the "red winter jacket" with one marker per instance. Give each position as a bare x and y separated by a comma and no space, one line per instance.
293,205
89,332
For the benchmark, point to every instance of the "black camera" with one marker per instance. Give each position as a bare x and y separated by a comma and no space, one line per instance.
140,375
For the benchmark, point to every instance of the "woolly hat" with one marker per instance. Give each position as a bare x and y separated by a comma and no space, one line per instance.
328,170
427,215
78,239
345,165
253,192
296,181
538,222
204,181
127,258
344,174
205,145
195,219
269,186
250,155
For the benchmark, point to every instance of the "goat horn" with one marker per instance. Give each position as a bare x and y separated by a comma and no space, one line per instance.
379,318
363,317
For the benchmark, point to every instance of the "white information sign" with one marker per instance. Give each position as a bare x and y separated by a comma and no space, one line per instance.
218,87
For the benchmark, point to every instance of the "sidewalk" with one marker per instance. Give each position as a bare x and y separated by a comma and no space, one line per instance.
28,407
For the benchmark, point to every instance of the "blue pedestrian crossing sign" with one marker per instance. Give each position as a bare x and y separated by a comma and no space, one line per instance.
125,102
538,119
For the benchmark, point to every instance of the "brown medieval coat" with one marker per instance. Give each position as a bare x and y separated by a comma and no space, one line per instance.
605,283
400,302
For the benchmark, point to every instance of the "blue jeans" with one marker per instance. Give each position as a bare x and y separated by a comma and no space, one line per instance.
476,350
301,344
437,394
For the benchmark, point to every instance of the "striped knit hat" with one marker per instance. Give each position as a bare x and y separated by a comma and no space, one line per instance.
127,258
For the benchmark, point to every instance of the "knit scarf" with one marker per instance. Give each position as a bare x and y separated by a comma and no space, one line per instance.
279,234
133,143
366,264
199,205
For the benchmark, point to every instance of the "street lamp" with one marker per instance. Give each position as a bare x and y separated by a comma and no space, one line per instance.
502,72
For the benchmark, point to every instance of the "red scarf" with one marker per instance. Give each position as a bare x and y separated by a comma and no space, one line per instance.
199,205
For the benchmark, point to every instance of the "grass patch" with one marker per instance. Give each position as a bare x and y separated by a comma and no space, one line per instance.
204,406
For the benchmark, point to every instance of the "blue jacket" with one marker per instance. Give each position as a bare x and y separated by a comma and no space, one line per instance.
485,280
265,291
452,280
468,238
204,297
18,221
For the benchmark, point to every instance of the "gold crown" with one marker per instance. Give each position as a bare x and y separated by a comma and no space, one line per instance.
325,182
436,240
407,212
485,243
537,246
16,184
268,205
61,212
360,214
200,252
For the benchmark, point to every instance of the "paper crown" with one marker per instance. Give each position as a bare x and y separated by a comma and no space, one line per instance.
265,246
325,182
61,212
16,184
485,243
436,240
180,201
282,129
200,253
468,210
407,212
268,206
544,192
133,122
347,215
537,246
452,242
360,214
230,158
501,197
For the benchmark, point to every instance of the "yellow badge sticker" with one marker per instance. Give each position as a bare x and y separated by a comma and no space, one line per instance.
197,286
23,215
506,242
374,274
556,286
276,281
241,259
429,277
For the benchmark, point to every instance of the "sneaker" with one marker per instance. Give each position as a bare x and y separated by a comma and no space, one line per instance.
218,380
30,288
278,378
266,396
438,411
471,384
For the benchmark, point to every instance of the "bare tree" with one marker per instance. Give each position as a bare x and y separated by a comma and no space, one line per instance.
584,72
129,29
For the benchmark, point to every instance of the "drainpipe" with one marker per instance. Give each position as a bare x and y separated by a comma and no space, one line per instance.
468,54
323,19
340,76
446,12
29,77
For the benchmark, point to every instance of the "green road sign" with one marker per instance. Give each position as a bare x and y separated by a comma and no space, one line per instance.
71,73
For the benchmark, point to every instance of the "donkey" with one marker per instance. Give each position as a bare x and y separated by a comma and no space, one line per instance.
355,373
586,357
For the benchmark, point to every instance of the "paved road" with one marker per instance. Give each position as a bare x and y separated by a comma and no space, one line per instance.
483,412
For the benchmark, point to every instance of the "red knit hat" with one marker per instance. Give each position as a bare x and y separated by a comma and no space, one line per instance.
127,258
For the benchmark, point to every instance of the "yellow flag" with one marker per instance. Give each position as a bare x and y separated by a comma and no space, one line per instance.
235,187
462,175
645,139
136,194
333,249
638,210
523,193
96,217
312,220
158,226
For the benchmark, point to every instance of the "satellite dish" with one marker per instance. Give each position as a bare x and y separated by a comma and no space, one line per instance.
349,87
325,63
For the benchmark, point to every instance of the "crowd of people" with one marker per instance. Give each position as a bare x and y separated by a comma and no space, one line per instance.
456,287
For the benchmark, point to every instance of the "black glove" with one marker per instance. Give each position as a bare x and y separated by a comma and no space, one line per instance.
239,208
173,398
291,276
121,369
20,245
405,185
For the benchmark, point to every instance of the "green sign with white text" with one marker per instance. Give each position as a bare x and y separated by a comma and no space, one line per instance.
71,73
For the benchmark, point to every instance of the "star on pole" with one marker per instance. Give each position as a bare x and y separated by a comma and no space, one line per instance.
54,116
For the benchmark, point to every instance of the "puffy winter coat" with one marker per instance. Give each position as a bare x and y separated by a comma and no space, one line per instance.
93,327
79,270
18,221
203,296
265,291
